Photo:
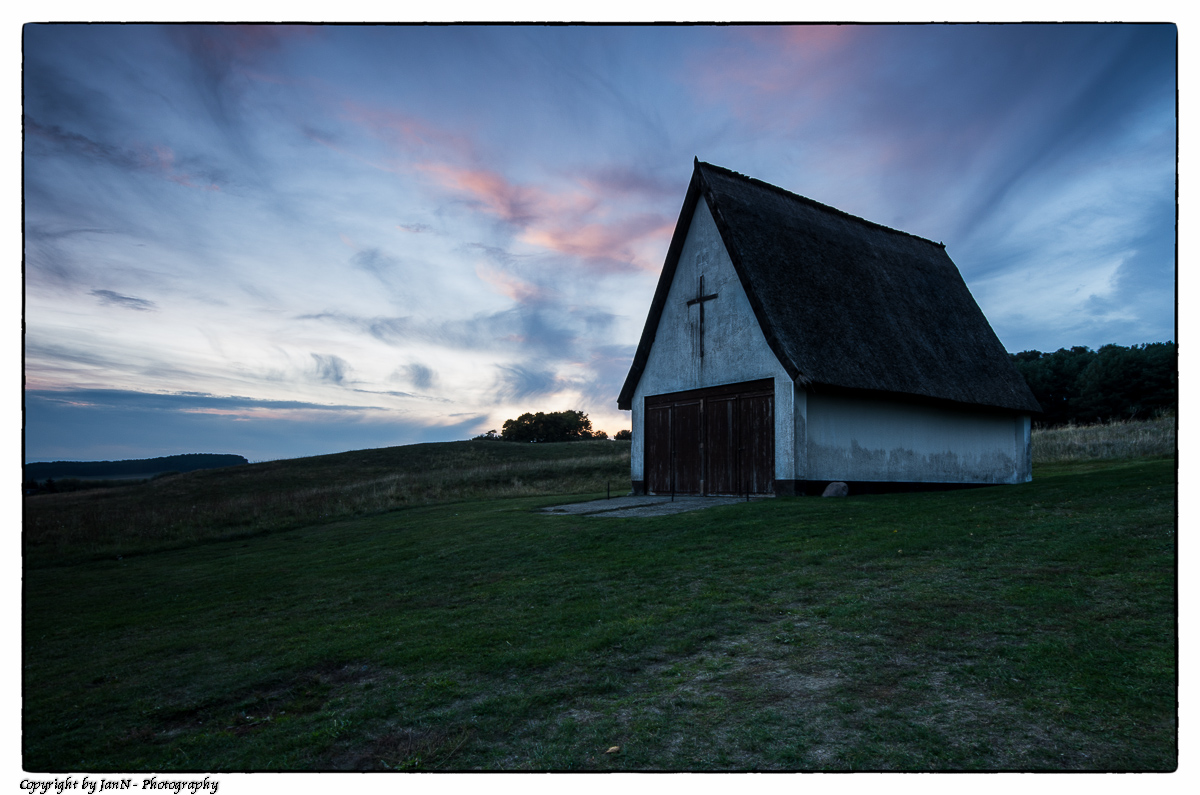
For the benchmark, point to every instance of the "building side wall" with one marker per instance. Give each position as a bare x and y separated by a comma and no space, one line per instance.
735,349
872,440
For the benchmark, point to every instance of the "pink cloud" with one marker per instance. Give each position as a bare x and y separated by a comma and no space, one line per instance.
513,203
161,160
509,285
240,43
589,217
600,241
407,133
809,40
806,62
572,222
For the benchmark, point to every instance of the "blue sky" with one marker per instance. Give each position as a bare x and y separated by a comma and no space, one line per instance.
279,241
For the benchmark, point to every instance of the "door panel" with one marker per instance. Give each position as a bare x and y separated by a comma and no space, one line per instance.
686,438
720,451
756,434
658,449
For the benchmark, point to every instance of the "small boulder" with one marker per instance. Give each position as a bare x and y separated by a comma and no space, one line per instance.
836,489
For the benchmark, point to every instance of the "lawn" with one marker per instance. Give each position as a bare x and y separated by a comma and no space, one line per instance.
1025,627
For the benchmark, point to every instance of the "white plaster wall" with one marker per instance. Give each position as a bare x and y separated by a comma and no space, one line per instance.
872,440
735,349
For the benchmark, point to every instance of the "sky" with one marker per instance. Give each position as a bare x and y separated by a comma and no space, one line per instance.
287,241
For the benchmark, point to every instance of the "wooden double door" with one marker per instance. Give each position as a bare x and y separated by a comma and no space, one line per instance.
719,440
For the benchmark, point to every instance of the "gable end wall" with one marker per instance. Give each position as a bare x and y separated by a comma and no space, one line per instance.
735,349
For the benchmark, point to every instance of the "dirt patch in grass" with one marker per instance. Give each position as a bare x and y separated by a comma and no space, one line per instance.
822,710
403,749
309,691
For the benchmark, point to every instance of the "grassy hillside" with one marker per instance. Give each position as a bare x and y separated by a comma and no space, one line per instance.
1021,627
251,499
246,500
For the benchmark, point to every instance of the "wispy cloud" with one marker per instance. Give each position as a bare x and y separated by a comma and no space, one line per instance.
573,222
331,368
491,192
757,66
154,159
109,298
417,374
512,286
585,215
519,383
409,134
376,262
610,246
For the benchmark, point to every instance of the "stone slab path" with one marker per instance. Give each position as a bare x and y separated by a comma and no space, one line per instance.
621,507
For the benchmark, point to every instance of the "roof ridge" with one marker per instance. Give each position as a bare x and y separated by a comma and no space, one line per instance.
815,203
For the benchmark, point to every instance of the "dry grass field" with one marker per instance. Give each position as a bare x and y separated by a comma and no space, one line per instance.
1132,439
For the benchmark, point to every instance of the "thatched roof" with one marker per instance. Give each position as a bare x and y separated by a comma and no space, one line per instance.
846,304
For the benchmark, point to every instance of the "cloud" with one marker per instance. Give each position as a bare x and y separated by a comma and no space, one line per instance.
417,374
224,62
612,181
607,367
575,222
508,284
514,204
407,133
330,368
533,327
154,159
609,246
375,262
757,65
516,383
224,45
594,216
176,401
385,329
120,424
109,298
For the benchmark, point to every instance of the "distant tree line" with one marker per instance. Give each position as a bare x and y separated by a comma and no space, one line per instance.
555,426
1081,386
141,467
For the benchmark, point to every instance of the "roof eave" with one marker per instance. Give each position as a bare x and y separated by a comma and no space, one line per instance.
1017,406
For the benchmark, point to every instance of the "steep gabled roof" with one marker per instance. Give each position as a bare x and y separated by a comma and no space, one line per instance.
843,302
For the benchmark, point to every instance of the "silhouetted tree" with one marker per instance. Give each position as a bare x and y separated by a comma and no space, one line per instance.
623,435
557,426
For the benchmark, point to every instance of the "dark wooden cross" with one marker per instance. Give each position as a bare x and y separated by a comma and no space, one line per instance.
700,299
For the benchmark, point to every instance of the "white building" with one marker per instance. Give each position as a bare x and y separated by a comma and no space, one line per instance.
790,345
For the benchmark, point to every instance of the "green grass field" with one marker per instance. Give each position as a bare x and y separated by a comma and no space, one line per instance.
1024,627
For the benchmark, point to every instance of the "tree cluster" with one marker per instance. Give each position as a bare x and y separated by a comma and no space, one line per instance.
557,426
1083,386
